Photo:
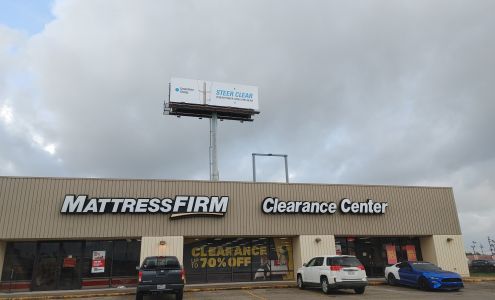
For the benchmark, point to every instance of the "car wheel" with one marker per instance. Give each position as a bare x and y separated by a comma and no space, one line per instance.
359,290
423,284
325,287
139,296
179,295
300,282
391,279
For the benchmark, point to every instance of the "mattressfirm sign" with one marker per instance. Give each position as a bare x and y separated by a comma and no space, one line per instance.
203,92
273,205
180,206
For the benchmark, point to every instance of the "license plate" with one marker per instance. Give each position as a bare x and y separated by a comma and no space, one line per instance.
161,287
351,272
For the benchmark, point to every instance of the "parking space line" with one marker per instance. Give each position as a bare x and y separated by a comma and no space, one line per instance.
254,295
396,291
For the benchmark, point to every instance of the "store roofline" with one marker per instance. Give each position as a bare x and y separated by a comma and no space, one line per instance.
224,181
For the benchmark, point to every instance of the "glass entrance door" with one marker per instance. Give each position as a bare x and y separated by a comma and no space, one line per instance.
368,251
70,265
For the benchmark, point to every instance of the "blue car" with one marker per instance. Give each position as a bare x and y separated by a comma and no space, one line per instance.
423,275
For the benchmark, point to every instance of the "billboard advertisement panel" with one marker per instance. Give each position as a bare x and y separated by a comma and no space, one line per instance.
211,93
186,91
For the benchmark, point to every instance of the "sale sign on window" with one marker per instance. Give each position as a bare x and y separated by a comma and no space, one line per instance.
391,254
411,253
98,262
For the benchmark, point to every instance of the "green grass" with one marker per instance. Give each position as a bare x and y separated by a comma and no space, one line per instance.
482,274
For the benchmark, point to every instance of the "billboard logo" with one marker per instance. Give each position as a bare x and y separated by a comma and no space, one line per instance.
183,90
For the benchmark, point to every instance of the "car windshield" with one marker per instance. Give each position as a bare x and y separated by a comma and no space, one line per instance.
344,261
425,267
162,262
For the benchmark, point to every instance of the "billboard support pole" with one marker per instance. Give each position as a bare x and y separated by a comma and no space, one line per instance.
214,176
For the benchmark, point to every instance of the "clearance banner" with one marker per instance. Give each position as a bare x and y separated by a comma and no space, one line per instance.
246,258
391,254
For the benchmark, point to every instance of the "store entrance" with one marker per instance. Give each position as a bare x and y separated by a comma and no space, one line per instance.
368,252
378,252
45,270
58,266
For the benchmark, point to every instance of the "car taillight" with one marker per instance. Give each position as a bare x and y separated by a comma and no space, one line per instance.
140,276
361,267
335,268
182,274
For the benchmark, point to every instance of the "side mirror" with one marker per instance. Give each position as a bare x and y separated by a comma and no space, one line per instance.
137,268
305,264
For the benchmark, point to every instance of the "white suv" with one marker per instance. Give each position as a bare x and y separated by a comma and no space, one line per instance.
332,272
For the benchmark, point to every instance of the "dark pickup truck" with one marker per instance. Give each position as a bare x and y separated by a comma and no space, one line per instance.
160,275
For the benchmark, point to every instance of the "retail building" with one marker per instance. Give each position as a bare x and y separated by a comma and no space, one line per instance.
71,233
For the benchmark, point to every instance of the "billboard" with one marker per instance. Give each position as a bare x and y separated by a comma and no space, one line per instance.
209,93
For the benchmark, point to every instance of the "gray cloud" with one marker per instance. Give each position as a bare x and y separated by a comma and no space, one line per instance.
378,92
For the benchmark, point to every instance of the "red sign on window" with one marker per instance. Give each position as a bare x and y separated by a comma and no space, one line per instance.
69,262
98,262
391,254
411,253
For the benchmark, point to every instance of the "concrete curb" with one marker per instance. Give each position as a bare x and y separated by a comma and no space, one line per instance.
76,296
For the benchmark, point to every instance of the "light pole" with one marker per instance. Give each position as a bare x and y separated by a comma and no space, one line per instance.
270,154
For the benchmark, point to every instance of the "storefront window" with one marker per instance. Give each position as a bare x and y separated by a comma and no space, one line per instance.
238,259
19,260
125,257
52,265
92,246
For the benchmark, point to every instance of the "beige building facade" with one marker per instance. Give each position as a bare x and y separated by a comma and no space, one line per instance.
98,230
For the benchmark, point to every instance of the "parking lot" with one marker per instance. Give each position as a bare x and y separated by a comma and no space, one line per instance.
482,290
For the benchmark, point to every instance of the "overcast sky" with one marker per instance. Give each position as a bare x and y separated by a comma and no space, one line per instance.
372,92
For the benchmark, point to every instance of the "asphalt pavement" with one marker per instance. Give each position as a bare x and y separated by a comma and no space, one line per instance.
481,290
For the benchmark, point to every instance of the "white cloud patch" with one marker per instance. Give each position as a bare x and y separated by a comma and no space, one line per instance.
6,114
